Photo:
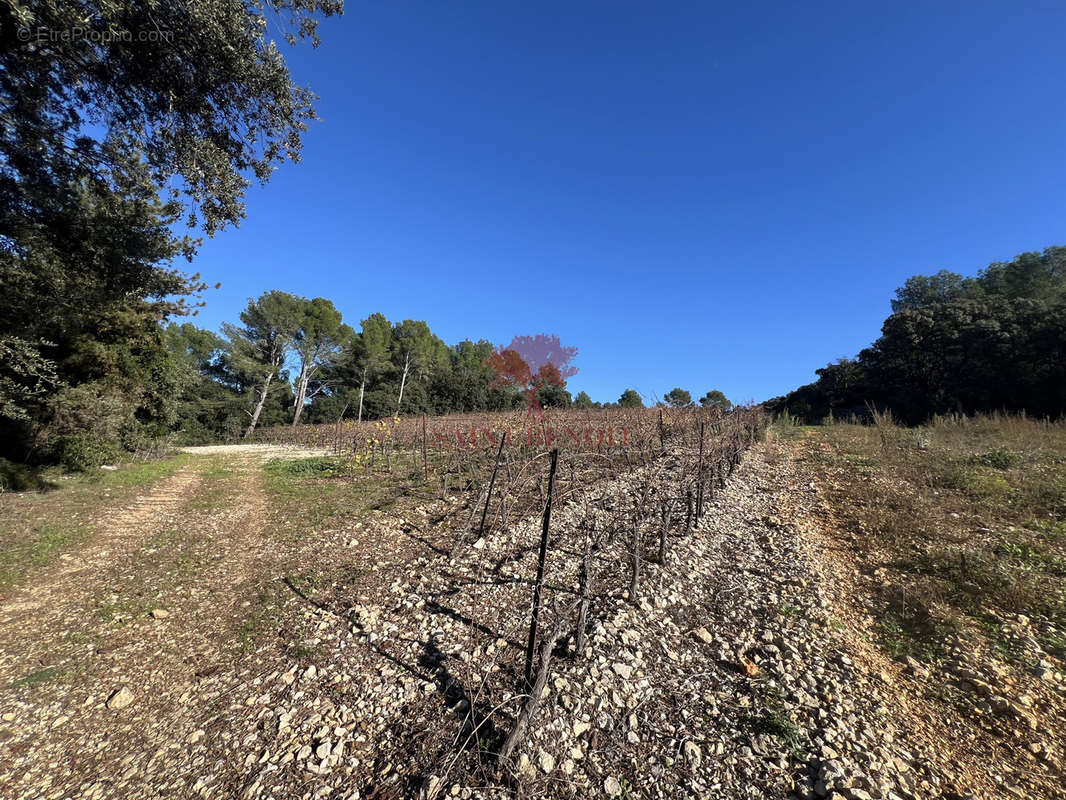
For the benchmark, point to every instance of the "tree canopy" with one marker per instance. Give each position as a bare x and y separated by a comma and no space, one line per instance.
995,342
157,117
715,399
678,398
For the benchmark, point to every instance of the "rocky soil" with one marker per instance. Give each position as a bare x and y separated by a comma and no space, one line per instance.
745,669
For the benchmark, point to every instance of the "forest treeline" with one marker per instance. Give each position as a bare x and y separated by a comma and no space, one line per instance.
287,360
291,359
954,344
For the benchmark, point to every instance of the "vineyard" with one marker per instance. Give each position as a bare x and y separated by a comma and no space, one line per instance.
543,526
647,603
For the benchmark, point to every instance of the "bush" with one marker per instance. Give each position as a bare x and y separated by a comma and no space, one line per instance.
19,478
1000,458
79,452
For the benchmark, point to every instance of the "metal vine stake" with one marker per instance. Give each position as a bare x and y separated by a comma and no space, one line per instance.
531,645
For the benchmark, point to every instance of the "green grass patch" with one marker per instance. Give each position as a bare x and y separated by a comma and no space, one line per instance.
321,467
310,493
787,610
41,547
1053,642
899,637
134,474
38,677
1051,530
1000,458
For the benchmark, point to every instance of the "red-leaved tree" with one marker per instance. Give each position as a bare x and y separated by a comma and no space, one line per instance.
531,363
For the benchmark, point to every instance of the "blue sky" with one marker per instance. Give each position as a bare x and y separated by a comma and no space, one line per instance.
692,194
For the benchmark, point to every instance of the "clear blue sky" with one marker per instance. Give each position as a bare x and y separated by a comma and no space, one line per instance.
695,195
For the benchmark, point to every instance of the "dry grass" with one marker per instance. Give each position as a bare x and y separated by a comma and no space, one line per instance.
963,520
37,527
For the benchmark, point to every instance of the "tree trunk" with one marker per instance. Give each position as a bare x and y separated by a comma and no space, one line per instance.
403,381
260,404
301,395
362,386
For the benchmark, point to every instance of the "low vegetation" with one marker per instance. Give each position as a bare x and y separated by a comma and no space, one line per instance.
962,521
36,527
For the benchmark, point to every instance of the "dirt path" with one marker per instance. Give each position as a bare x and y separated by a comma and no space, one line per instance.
148,610
263,451
121,531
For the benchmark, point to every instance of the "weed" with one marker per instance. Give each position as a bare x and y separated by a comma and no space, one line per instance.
787,610
38,677
264,616
323,467
999,458
900,639
772,719
947,693
301,651
1053,642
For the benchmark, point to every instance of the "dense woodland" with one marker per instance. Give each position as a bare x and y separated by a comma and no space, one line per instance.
994,342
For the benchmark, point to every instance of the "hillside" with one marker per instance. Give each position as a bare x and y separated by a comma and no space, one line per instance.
248,623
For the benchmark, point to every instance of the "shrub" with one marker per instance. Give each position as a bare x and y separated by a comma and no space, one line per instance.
18,477
307,467
1000,458
79,452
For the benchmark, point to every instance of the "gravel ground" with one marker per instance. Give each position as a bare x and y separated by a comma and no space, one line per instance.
743,671
263,451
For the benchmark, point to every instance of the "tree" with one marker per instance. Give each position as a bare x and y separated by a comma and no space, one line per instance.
551,388
416,349
374,344
582,400
82,290
184,101
210,400
198,88
262,344
921,291
25,377
1034,276
535,364
317,343
630,399
465,386
715,399
678,398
